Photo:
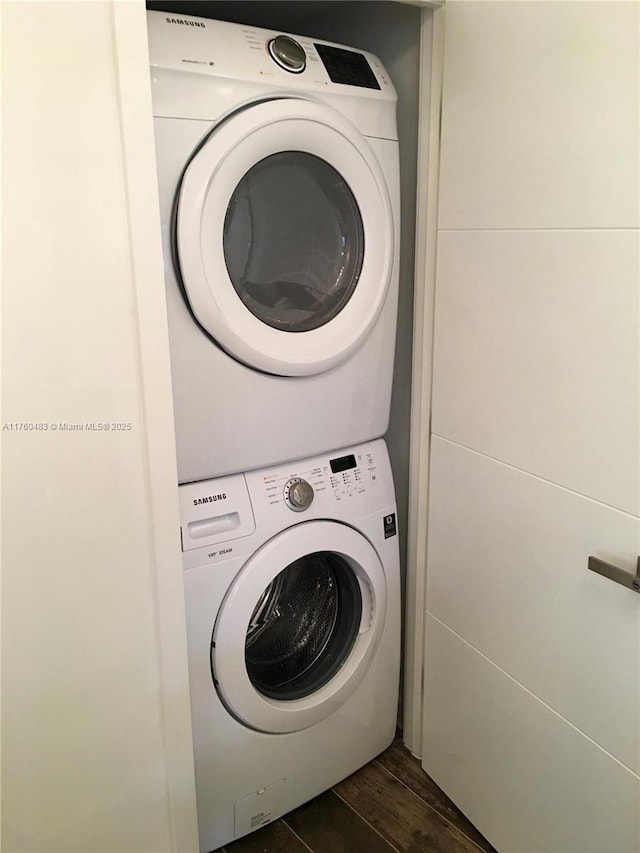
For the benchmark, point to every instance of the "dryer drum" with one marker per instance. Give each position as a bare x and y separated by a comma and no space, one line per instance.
303,627
293,241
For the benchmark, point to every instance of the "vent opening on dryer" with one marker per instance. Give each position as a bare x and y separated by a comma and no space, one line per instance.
293,241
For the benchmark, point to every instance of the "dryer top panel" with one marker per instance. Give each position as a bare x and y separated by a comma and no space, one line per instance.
237,52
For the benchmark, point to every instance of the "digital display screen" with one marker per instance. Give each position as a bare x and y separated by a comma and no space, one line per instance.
347,66
342,464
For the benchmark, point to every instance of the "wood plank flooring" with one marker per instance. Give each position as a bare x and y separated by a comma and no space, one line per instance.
389,805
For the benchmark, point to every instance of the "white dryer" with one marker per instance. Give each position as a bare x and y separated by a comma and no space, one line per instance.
279,190
293,616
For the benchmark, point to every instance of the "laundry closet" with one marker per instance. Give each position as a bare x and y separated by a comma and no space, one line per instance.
520,237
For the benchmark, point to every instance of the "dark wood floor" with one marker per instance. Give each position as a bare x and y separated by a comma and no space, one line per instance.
388,805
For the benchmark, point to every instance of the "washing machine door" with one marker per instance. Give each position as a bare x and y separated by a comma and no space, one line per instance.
284,237
298,628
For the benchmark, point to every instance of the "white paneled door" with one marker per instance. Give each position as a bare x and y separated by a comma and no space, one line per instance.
533,667
532,662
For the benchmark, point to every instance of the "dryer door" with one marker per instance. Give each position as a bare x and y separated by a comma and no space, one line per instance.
284,237
299,626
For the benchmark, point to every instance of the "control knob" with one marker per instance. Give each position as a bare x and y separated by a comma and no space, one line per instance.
288,54
298,494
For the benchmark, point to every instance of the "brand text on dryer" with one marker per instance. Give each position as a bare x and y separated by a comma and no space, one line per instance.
185,23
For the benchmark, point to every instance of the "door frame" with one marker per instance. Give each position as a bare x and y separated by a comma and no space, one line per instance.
131,63
431,68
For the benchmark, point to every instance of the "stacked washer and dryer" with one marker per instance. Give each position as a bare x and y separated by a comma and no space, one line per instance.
278,172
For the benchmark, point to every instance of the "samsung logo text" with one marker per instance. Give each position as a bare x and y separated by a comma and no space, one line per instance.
185,23
209,499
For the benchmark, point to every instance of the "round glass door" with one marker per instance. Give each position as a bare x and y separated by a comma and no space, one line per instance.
299,626
293,241
303,627
285,236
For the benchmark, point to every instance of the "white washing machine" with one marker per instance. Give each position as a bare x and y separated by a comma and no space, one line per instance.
278,173
293,617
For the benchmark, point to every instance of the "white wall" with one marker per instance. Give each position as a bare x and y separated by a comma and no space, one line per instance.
95,725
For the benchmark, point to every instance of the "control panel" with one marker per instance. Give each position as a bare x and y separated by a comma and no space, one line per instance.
220,518
339,478
243,52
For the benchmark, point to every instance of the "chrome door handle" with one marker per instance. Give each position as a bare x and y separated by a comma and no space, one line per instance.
616,574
